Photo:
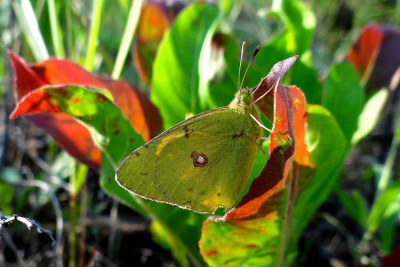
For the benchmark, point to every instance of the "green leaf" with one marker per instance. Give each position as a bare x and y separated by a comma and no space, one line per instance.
389,223
354,205
327,145
9,177
305,76
343,96
387,203
300,23
179,71
370,114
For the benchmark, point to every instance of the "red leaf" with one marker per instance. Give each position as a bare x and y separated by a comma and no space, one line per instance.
391,260
138,109
287,139
257,225
266,188
66,131
143,116
155,19
375,55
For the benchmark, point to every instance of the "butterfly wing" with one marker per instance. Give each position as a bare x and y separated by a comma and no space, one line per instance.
201,164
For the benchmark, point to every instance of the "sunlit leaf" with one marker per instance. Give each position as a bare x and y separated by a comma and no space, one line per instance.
176,72
64,129
343,96
370,115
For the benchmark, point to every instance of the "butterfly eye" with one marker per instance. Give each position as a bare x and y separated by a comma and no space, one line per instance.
199,159
245,98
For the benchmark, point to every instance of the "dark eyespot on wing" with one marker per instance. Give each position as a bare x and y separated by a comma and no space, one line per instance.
219,194
199,159
143,173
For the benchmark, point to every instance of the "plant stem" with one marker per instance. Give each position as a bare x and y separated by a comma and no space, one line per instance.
56,34
129,32
29,25
94,33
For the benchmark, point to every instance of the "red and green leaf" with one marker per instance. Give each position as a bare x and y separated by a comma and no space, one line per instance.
136,107
375,55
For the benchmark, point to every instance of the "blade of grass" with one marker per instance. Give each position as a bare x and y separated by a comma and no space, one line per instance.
29,25
129,32
387,173
94,33
68,29
56,34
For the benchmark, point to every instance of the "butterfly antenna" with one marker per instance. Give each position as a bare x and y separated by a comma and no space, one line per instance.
248,66
240,63
274,86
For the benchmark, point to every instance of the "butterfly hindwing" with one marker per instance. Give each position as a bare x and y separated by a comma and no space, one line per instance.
201,164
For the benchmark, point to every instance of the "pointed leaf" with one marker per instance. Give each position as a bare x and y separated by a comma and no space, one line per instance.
176,71
370,114
381,209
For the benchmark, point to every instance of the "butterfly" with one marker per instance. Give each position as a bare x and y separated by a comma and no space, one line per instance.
202,163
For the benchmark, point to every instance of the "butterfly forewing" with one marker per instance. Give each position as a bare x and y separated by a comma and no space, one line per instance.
201,164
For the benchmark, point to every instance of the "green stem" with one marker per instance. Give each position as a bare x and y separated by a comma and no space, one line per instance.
72,232
129,32
29,25
94,33
68,29
56,34
77,178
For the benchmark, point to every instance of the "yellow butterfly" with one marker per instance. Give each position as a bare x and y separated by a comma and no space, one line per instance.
202,163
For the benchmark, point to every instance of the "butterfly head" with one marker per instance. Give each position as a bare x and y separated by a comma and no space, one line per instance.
243,101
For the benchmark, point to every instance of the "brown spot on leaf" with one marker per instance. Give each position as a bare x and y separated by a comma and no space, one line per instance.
252,246
136,153
211,252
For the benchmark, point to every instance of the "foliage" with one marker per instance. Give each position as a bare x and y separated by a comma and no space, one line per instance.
187,59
